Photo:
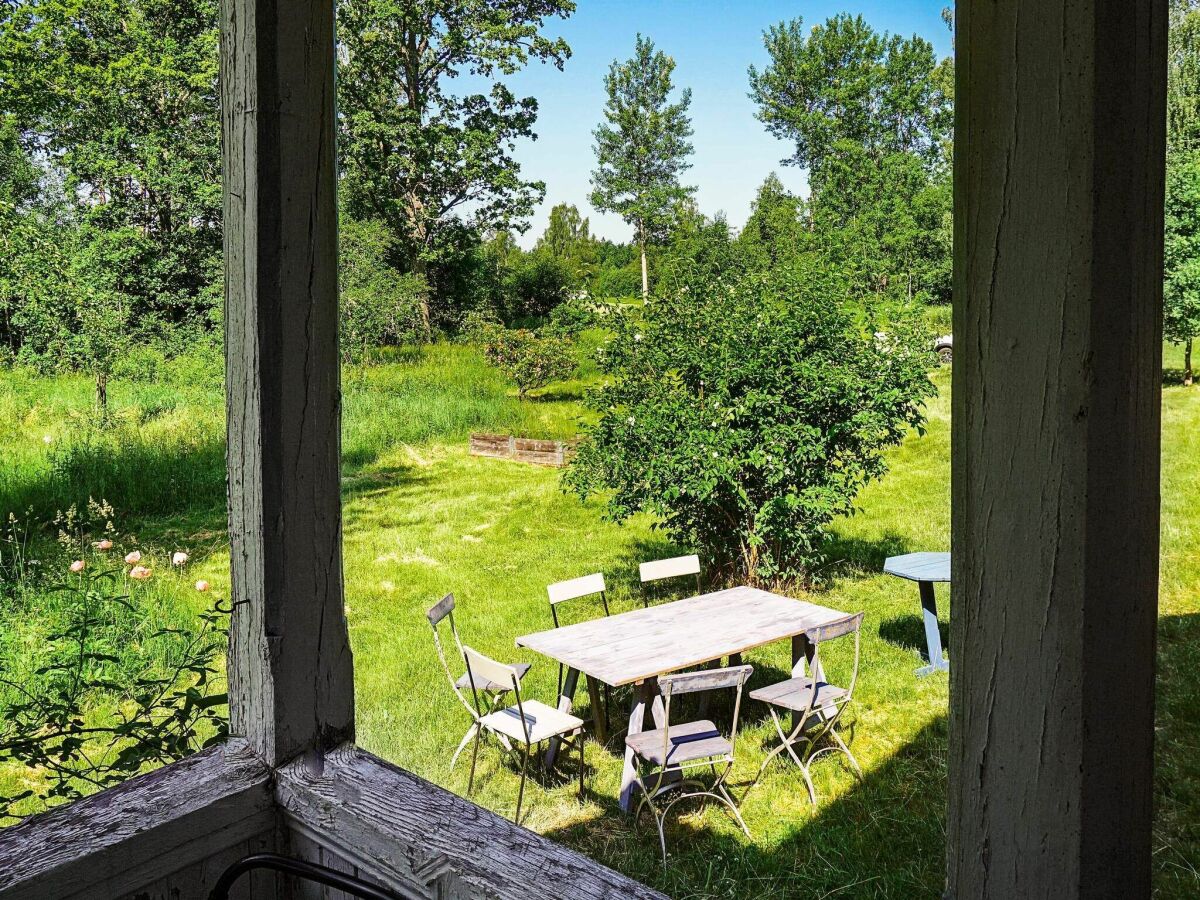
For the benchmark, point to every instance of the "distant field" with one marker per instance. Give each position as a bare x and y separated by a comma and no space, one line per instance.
424,518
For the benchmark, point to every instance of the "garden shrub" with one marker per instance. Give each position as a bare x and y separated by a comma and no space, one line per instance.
526,358
379,305
746,412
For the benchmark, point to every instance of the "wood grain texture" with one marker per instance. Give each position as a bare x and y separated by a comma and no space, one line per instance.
636,645
410,835
1058,286
290,670
133,839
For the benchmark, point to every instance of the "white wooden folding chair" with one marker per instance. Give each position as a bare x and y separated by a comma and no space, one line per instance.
526,722
576,589
661,569
816,705
493,692
663,755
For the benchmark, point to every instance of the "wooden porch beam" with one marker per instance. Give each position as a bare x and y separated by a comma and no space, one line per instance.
1059,177
290,670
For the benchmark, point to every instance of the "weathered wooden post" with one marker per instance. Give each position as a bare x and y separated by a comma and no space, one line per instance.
295,695
1058,286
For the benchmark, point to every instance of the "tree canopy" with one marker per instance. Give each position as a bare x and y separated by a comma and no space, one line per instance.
870,118
437,166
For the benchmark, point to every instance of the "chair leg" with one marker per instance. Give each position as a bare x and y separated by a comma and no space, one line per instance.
724,795
474,759
853,762
580,739
521,790
463,743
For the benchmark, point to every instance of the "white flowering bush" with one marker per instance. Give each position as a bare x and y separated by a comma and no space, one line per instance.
746,412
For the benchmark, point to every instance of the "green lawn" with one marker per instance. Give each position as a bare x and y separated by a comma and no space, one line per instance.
424,518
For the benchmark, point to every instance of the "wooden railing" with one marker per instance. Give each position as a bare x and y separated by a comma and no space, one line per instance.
169,835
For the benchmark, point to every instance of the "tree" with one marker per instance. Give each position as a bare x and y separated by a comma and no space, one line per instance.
870,118
844,83
747,413
119,98
1181,285
776,230
436,166
565,231
642,148
569,242
378,304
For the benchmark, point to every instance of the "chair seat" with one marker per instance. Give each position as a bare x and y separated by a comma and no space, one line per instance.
797,694
543,722
487,685
689,741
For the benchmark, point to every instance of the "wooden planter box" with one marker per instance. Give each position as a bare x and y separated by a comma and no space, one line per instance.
555,454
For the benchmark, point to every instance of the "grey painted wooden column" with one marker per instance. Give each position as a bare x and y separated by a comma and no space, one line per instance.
290,671
1058,287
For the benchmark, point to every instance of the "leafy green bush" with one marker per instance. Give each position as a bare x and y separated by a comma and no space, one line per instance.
526,358
537,283
379,304
746,412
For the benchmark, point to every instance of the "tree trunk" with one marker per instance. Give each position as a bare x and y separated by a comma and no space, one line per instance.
102,392
641,242
1187,363
420,267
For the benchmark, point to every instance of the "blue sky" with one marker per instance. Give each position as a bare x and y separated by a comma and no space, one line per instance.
712,43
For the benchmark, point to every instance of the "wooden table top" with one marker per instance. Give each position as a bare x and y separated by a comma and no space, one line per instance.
633,646
919,566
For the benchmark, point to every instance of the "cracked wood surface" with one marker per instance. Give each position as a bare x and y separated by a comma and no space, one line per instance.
1058,286
387,824
167,834
290,670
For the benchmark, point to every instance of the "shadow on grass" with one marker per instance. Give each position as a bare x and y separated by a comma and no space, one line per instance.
855,557
1176,760
884,837
1174,377
909,632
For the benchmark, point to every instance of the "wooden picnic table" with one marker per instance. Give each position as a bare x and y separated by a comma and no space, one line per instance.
636,647
925,569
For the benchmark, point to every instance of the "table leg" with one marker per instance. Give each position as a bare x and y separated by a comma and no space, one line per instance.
933,635
565,699
643,694
599,713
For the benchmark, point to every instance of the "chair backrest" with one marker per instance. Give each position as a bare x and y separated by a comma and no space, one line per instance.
485,668
436,614
669,568
704,680
660,569
575,588
851,624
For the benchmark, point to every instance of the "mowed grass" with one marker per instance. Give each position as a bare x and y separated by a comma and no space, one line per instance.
424,518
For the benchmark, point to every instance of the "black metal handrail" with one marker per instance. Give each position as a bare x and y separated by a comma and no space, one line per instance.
301,869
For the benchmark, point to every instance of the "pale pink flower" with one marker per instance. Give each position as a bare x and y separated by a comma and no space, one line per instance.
141,573
77,566
178,558
202,585
103,545
133,557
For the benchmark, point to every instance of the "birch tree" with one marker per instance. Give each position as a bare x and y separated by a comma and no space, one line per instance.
642,147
